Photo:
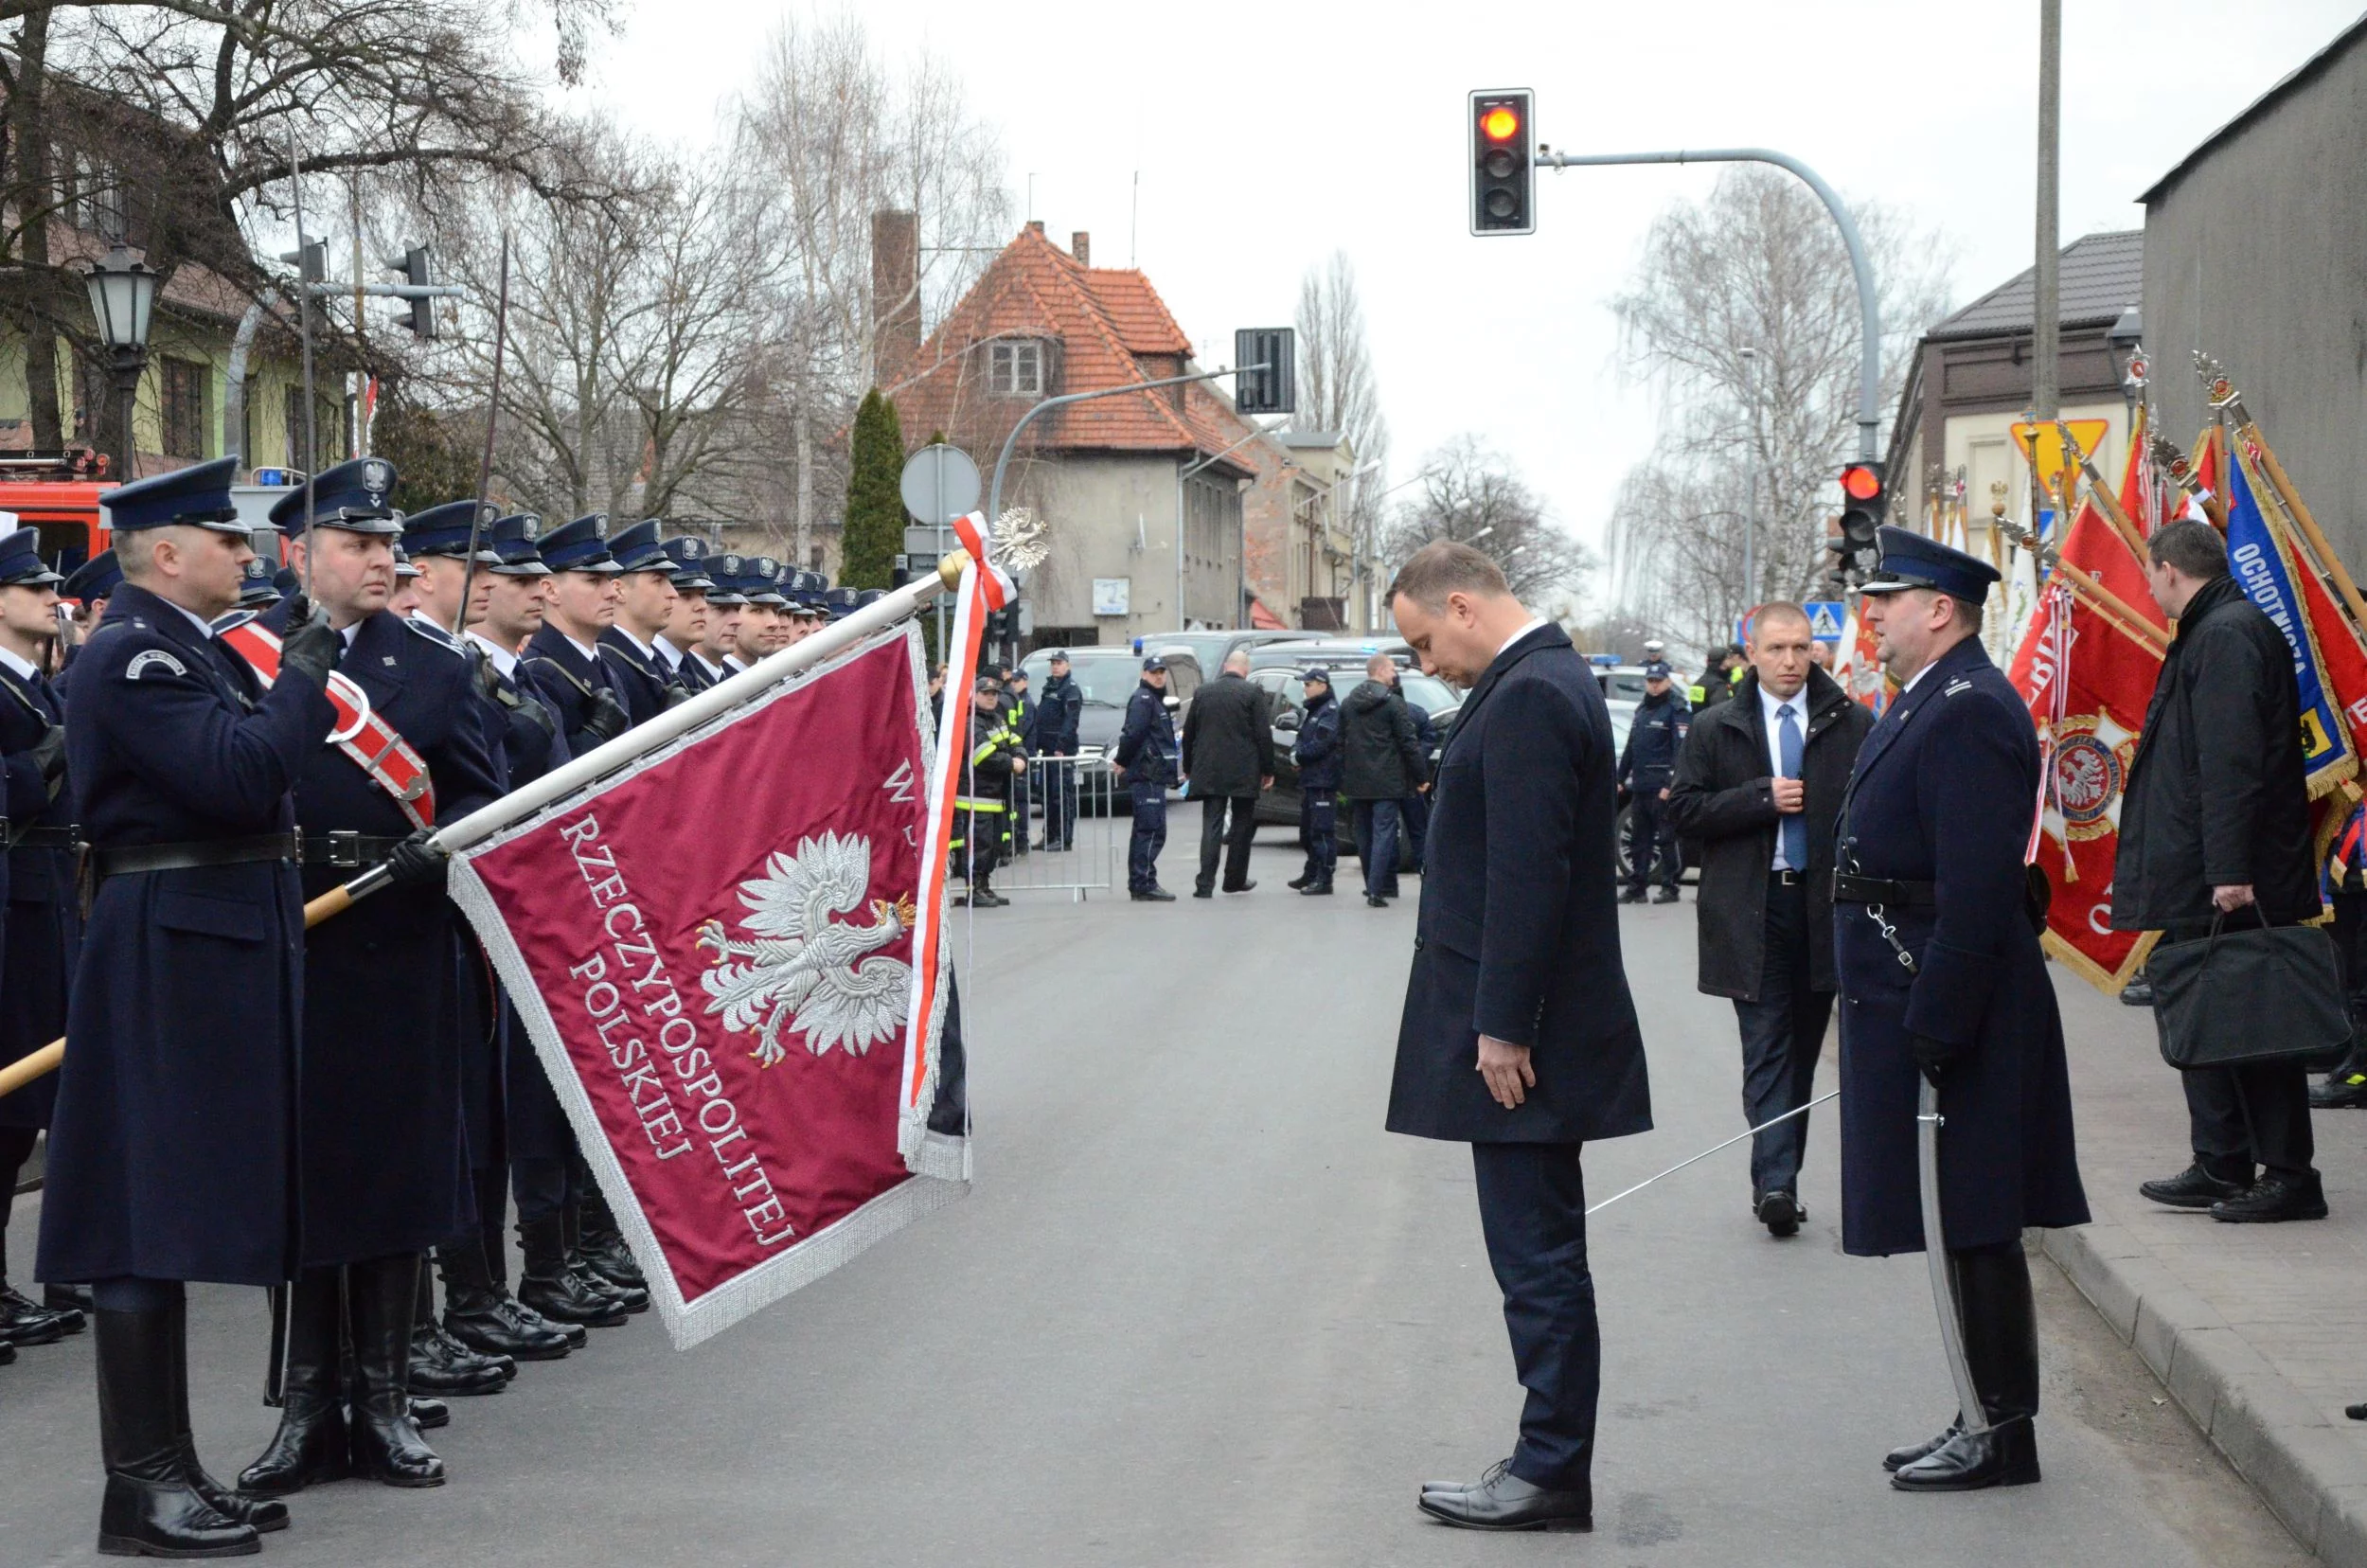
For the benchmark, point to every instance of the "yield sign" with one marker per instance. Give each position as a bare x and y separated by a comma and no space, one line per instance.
2089,434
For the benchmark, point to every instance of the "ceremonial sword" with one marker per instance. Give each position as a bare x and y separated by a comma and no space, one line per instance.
1798,1111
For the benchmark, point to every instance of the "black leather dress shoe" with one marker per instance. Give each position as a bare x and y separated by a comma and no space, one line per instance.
2341,1091
1151,895
1204,892
1667,895
608,1257
1899,1458
2193,1188
25,1323
1781,1213
70,1319
493,1322
2275,1197
1632,895
59,1298
1316,890
1297,883
1372,902
1245,887
1502,1501
441,1365
2006,1455
2137,994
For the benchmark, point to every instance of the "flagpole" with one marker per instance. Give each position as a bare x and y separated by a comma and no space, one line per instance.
2318,543
2106,501
2114,607
628,747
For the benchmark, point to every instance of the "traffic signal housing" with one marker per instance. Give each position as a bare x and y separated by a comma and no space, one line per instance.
1504,166
419,270
1864,498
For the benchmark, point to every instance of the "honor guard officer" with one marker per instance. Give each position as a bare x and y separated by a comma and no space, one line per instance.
479,1310
1942,978
563,656
765,614
88,586
646,599
174,1140
724,604
257,590
383,1163
686,627
43,922
436,542
1321,768
1150,759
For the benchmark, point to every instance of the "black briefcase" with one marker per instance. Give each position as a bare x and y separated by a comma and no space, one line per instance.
2265,993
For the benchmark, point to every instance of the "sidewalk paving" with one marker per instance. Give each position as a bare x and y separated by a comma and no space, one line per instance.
2258,1332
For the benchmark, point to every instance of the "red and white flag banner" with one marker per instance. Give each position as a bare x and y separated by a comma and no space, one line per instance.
729,958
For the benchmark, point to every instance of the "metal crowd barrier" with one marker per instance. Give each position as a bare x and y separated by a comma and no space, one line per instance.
1076,821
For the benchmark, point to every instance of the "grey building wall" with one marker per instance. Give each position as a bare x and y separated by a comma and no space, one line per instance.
2256,252
1114,515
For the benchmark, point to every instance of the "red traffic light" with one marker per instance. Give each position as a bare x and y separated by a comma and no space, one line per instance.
1861,482
1501,123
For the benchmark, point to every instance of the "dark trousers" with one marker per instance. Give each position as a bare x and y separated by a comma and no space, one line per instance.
1783,1034
544,1186
1058,789
1377,847
1228,823
979,849
2350,951
1415,810
16,1147
2255,1115
1148,837
1532,1203
1651,837
1319,835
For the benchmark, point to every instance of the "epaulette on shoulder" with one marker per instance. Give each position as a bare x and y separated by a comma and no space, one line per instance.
436,635
229,622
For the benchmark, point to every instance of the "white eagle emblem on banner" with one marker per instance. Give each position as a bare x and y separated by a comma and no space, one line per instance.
806,968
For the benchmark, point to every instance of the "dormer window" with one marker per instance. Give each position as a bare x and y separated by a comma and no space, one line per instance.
1016,369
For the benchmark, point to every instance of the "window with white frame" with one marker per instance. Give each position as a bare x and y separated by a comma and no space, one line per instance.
1016,369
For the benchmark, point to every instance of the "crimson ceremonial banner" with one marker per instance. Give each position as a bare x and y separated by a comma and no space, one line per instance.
714,953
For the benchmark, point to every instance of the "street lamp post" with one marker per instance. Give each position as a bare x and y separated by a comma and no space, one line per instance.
123,298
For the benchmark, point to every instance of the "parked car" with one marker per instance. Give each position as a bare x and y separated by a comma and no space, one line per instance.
1281,679
1211,647
1107,678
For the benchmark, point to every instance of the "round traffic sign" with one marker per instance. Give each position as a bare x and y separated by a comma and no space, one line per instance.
940,484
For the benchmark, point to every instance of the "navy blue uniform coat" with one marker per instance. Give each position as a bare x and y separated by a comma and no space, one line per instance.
173,1149
43,920
640,679
559,670
386,1163
532,745
1519,932
1943,793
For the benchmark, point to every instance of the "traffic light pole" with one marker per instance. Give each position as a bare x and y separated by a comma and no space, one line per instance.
1869,310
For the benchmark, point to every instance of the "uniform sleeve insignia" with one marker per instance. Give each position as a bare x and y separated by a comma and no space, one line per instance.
151,658
1960,683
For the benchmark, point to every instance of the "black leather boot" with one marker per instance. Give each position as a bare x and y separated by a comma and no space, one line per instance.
150,1508
61,1298
441,1365
311,1444
572,1228
380,1297
483,1318
265,1514
555,1290
2001,1350
25,1321
427,1414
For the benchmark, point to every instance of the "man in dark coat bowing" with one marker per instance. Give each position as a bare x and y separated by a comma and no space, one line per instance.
384,1169
1942,978
1519,1036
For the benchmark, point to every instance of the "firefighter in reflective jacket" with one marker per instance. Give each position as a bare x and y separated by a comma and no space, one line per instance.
983,803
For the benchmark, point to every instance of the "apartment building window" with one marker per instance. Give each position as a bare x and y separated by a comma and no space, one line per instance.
182,384
1016,369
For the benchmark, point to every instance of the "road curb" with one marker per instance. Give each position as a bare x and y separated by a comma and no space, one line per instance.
2312,1472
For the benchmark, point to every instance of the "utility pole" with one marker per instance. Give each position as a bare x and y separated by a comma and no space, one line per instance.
1750,464
2046,303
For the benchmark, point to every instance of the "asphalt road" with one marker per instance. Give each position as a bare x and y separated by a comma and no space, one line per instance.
1201,1309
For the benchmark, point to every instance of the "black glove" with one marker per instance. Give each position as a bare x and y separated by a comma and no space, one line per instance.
604,718
310,646
48,754
1933,1056
416,862
677,694
489,679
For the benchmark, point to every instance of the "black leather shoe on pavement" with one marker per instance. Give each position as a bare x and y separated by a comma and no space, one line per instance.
2006,1455
1899,1458
1316,890
1296,884
493,1322
441,1365
1632,895
1502,1501
1781,1213
1371,902
2193,1188
2344,1090
71,1319
2276,1196
59,1298
1667,895
1204,892
1151,895
427,1414
1245,887
2137,994
25,1323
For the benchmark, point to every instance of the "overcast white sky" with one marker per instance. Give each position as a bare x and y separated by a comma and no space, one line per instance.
1268,135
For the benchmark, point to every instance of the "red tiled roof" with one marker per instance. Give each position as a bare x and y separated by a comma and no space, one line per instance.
1103,320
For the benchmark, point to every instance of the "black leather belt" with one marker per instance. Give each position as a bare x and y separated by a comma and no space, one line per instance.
348,850
42,838
1878,890
183,857
1784,876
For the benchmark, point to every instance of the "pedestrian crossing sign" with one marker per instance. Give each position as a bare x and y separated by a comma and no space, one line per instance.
1824,619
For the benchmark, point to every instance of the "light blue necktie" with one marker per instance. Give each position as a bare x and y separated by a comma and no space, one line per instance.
1796,824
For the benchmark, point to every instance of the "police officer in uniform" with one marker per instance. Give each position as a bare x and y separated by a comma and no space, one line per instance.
764,613
1647,765
562,658
725,604
43,922
1149,758
1321,768
645,603
88,586
686,625
173,1141
1942,978
1059,709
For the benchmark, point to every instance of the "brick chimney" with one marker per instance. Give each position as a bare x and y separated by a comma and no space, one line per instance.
1035,226
1080,245
895,294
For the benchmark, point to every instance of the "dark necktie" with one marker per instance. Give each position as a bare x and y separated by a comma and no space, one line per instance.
1795,825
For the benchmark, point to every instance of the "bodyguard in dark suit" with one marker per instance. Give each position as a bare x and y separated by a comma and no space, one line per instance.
173,1143
42,924
563,657
1519,1037
384,1166
1942,978
1228,756
1758,785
